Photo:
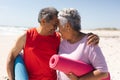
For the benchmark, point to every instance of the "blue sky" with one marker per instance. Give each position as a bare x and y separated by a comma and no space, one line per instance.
94,13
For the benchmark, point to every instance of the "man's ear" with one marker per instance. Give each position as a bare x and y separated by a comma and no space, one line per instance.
43,21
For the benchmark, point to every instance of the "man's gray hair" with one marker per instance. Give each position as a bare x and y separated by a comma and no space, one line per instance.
47,13
72,16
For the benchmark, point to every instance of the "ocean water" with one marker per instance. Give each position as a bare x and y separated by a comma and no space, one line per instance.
12,30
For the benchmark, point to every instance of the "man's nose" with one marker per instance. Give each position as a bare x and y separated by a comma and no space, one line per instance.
55,26
59,30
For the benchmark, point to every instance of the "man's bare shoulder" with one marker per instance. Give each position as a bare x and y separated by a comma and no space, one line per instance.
22,36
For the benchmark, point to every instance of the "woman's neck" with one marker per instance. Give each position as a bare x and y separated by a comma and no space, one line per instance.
75,37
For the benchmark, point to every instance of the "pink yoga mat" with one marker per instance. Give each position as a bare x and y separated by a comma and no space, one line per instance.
68,65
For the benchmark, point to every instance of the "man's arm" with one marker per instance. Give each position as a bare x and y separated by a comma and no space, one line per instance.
16,49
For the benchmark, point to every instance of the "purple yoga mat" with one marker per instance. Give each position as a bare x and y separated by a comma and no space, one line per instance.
66,65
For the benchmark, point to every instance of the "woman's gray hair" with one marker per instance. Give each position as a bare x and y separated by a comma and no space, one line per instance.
47,13
72,16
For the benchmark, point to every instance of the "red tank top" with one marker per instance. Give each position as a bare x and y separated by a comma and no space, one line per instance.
37,52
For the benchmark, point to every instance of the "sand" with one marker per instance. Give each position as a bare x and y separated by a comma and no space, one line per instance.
109,43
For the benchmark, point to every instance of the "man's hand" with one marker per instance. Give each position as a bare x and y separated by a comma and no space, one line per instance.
93,39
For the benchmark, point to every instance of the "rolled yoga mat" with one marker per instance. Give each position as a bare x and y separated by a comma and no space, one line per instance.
66,65
20,71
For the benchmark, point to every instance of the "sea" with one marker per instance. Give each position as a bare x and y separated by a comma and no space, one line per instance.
12,30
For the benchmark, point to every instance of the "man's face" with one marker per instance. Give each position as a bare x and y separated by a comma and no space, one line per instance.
51,26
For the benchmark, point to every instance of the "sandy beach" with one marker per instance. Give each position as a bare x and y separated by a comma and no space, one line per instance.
109,43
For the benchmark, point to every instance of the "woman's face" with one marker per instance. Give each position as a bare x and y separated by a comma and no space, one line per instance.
64,32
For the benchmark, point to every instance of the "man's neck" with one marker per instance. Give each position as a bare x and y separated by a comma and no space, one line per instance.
42,31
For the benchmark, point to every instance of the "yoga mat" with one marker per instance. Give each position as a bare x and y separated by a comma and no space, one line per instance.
66,65
20,71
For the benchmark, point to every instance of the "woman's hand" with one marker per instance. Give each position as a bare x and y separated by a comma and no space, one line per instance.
72,76
93,39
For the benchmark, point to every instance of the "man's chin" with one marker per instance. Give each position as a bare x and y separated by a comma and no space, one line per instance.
52,32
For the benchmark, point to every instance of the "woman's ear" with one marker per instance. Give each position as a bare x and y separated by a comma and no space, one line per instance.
68,26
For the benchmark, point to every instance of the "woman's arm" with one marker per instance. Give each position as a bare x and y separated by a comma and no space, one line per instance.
94,75
97,60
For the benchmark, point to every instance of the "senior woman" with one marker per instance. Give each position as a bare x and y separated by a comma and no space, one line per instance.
69,27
